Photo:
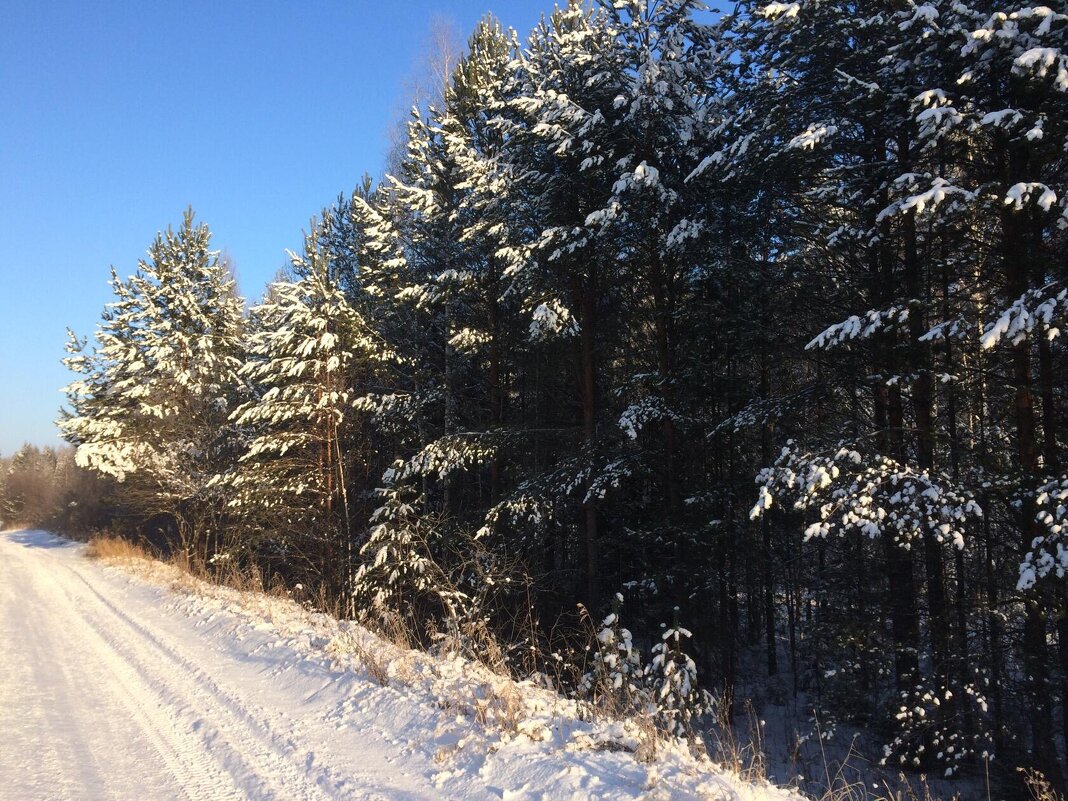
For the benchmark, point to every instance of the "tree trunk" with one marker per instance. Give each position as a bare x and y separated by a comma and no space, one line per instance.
901,581
765,527
922,404
496,407
1016,262
589,431
1035,657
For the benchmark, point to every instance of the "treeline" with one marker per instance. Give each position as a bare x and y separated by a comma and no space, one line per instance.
44,488
750,319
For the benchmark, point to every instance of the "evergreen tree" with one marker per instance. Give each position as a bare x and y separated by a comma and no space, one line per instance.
154,392
309,355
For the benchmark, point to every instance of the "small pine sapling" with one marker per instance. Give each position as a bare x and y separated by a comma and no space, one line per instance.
672,677
616,680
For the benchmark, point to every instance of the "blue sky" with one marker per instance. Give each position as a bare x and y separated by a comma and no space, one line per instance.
114,117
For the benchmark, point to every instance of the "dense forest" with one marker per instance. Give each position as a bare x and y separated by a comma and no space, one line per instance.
738,332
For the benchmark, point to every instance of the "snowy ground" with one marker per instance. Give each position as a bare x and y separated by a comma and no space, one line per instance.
134,683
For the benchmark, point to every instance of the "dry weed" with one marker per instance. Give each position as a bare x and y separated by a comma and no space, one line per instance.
347,644
743,756
648,737
110,548
502,708
1039,786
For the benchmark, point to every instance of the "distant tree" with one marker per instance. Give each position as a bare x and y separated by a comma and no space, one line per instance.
43,487
441,50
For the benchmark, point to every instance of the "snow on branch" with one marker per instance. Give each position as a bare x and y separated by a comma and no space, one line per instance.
812,136
1022,193
639,414
550,320
947,329
1036,307
939,191
445,456
938,114
608,477
1039,62
521,509
1049,552
860,327
870,494
781,11
924,14
1027,33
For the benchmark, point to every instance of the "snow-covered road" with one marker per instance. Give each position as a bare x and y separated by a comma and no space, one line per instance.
104,694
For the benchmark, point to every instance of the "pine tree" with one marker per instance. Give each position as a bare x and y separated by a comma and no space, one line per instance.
309,355
154,392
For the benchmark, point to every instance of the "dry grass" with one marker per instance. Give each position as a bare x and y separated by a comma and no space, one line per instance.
649,737
110,548
227,573
394,627
385,663
843,784
743,756
846,778
501,708
188,575
248,579
376,665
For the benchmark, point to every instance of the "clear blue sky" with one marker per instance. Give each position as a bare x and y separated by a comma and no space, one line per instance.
114,117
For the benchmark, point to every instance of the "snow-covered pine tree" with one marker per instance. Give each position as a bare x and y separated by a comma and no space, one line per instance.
404,576
155,389
562,158
427,237
487,337
309,356
615,680
672,678
1009,102
664,238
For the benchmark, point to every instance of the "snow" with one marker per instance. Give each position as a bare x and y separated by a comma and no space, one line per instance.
1040,61
856,327
1033,308
551,319
781,10
1021,193
928,200
136,681
922,13
1004,118
811,137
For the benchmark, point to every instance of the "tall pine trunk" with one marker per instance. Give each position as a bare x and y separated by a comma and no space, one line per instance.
589,434
1016,260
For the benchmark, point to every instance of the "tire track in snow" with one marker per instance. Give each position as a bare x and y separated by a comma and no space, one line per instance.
27,771
262,762
181,751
